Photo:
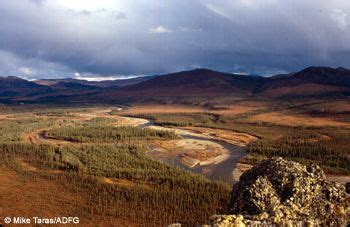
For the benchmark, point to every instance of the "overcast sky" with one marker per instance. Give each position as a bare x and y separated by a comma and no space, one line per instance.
119,38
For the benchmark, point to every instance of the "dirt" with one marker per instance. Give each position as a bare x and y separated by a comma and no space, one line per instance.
2,117
187,152
239,170
236,138
203,156
38,137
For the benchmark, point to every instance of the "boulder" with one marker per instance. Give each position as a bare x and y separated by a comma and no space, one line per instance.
281,191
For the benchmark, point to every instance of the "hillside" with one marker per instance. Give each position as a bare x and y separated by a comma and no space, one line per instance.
194,83
199,81
312,82
101,84
16,88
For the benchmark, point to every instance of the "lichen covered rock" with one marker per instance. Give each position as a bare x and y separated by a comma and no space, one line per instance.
280,191
347,187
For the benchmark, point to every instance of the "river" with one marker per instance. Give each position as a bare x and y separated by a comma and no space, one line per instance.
220,168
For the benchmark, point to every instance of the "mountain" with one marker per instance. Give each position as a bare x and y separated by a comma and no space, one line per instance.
71,86
102,84
13,87
312,81
132,81
198,82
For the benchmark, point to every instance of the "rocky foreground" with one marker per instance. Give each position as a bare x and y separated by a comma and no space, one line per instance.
285,192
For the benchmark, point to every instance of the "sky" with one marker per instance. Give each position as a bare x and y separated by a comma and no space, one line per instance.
109,39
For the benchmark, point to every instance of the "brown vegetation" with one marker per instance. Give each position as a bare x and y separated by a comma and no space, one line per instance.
109,175
290,119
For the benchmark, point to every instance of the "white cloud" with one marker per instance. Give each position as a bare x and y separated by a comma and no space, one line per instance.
341,18
217,10
160,29
26,70
103,78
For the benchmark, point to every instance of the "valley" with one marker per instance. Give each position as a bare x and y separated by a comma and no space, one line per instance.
165,149
190,155
210,152
175,113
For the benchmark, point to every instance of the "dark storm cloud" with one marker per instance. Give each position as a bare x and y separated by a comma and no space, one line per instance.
44,38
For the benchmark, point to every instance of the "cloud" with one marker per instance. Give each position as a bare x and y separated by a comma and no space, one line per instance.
14,65
341,18
103,78
26,70
57,38
160,29
38,2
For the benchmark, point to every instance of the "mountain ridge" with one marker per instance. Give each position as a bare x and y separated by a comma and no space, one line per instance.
311,81
102,83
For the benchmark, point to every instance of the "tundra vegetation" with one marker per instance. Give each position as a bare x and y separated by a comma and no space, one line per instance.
108,177
102,173
326,146
100,134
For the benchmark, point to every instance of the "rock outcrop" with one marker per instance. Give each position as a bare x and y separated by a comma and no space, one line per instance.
280,191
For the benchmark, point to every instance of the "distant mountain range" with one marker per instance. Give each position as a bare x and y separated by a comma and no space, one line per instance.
310,82
102,84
